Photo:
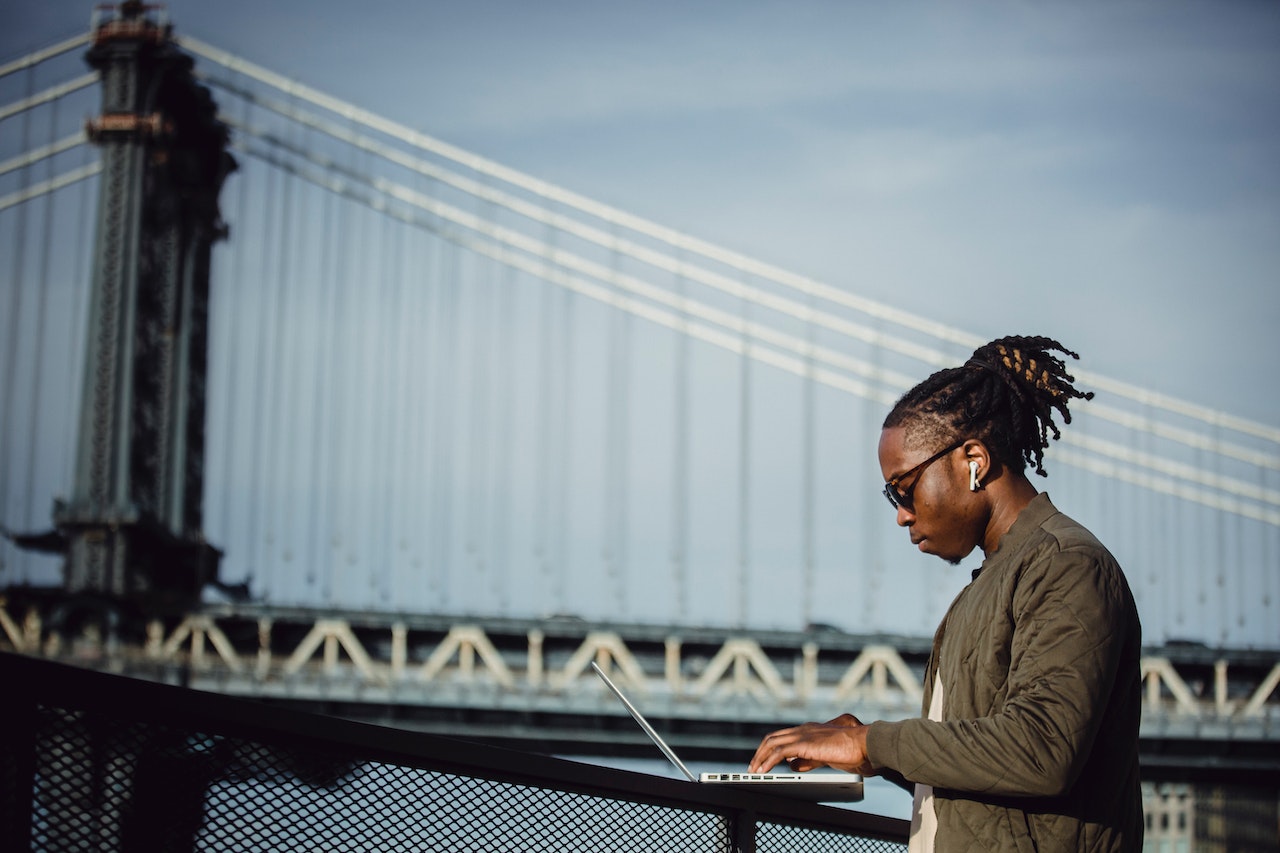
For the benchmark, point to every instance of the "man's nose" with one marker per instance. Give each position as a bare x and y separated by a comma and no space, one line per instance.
905,516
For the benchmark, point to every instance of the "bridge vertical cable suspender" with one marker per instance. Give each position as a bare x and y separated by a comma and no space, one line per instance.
471,273
382,287
432,282
254,383
415,255
1241,583
42,300
1244,591
368,381
337,521
1227,543
487,457
617,447
808,493
307,386
503,479
1236,540
307,272
1092,497
229,294
613,487
565,441
1211,571
261,376
1177,584
744,470
13,330
561,420
422,259
324,367
80,307
680,474
395,440
1171,587
1142,508
385,286
478,434
1216,575
351,502
872,549
1166,532
1270,540
446,403
277,509
542,462
1210,540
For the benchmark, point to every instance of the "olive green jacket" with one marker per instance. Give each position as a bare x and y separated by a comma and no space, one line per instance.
1039,661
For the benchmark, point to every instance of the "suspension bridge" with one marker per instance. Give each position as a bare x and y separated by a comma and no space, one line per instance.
432,434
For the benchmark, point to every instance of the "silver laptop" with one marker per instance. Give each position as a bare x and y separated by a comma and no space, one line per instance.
818,786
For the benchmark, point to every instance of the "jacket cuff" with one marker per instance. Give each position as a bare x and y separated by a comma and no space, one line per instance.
882,744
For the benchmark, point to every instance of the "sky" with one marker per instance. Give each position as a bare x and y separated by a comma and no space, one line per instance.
1104,173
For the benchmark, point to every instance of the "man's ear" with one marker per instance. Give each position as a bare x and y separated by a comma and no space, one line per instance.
977,459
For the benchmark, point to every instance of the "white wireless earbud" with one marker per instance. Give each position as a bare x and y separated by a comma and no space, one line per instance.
973,475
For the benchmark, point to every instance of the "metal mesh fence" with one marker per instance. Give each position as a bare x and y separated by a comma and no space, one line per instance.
777,838
104,785
90,779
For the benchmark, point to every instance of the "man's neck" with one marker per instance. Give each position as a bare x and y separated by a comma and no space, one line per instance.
1009,497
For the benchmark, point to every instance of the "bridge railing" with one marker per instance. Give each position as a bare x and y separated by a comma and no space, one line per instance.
101,761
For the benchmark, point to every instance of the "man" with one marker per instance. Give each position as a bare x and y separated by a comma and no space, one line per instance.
1029,739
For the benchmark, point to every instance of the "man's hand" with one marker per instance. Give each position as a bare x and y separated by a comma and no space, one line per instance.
840,743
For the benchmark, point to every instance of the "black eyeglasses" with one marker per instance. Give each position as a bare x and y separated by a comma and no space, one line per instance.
903,498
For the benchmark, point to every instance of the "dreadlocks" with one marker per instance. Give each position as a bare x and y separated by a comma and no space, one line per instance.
1005,395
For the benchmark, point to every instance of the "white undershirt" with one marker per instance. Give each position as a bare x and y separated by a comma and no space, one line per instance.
924,820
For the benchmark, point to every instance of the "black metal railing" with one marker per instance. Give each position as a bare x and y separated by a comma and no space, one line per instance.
100,762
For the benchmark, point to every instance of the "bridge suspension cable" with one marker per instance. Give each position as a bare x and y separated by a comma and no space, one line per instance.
790,352
670,264
369,251
44,54
688,244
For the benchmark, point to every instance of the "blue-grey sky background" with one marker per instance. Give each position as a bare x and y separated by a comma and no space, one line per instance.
1106,173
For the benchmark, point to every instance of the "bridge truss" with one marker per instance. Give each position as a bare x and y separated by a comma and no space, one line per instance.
1206,714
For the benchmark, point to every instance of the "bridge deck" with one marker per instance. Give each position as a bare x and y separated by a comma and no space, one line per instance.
714,691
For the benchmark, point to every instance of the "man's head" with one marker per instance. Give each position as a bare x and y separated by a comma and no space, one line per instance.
966,427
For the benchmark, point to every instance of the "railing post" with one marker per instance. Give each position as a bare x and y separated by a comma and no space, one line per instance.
18,743
742,829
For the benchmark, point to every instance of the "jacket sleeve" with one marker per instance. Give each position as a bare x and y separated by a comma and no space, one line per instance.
1071,617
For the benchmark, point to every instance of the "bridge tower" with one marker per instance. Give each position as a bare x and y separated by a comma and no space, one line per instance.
133,522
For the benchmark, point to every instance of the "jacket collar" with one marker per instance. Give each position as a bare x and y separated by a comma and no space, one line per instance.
1033,515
